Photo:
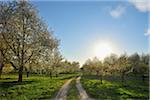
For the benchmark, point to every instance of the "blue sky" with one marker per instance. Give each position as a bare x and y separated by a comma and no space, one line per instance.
80,25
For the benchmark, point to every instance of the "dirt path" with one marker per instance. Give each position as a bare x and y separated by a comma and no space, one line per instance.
82,93
61,95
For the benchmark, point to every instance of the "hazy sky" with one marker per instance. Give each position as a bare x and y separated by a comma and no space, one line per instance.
81,25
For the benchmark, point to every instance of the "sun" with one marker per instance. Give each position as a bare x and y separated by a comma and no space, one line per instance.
102,50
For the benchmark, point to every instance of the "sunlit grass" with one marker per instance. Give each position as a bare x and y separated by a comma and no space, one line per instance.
34,87
116,90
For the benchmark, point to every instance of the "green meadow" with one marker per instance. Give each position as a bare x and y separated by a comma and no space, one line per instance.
34,87
73,92
115,90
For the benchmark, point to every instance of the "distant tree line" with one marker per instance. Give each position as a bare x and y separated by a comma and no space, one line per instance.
122,65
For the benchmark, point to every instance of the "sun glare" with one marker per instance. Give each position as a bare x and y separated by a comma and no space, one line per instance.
102,50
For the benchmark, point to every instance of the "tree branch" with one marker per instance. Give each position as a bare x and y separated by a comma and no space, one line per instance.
8,60
29,58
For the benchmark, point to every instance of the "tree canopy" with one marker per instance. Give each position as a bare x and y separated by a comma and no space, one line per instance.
24,37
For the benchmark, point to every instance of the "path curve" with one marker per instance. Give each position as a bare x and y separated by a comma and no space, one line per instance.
82,93
62,94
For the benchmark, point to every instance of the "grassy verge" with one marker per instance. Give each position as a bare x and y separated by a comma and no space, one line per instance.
34,87
73,92
132,89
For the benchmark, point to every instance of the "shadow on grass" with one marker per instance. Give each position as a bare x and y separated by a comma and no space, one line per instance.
44,95
67,77
5,85
128,79
8,78
64,78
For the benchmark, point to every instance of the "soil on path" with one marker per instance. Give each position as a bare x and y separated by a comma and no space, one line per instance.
62,93
82,93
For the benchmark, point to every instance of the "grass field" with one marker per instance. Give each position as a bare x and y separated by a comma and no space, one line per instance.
131,89
73,92
34,87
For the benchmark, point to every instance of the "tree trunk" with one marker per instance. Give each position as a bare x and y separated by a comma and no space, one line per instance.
20,74
1,69
143,78
56,75
27,74
101,77
122,77
135,74
50,75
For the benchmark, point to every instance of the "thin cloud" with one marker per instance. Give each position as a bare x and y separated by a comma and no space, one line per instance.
141,5
118,11
147,33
